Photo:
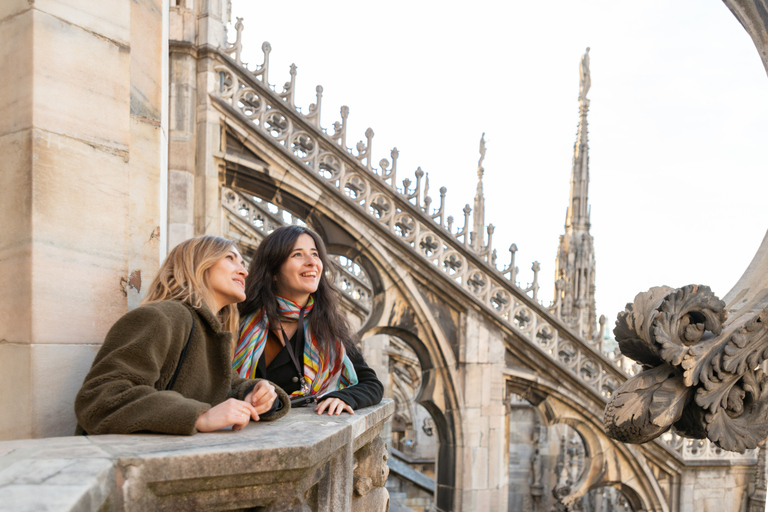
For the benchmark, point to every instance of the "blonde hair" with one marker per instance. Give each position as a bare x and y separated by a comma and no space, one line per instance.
183,276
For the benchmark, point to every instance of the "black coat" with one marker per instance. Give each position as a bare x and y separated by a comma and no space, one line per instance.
281,371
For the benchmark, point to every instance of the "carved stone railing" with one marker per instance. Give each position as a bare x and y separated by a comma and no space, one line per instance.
406,214
300,462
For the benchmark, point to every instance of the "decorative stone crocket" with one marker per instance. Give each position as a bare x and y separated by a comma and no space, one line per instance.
701,372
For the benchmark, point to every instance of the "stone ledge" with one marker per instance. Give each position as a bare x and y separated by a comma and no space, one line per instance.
299,458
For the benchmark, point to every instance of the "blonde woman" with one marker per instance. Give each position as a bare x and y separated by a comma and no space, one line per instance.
166,366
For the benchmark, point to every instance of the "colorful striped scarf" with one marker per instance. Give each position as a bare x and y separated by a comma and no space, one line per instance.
325,370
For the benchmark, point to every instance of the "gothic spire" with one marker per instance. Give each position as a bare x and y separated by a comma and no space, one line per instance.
478,219
576,257
577,216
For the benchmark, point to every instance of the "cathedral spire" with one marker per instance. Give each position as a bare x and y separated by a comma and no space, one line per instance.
575,256
478,219
577,216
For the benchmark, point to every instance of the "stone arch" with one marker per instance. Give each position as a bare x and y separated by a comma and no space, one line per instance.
627,493
611,463
433,381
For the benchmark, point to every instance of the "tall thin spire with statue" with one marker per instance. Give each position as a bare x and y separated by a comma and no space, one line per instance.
576,257
478,216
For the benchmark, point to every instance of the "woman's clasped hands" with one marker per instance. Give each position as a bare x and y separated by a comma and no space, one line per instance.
238,413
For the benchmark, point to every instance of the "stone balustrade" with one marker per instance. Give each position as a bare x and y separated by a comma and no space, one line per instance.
300,462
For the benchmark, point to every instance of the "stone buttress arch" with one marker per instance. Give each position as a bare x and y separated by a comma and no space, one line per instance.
607,462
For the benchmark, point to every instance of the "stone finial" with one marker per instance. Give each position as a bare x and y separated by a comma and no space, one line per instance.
536,267
237,46
340,128
315,108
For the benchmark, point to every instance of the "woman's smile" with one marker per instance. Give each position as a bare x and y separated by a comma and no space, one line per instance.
300,273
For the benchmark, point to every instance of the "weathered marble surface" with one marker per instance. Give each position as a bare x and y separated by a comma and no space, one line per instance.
300,460
81,103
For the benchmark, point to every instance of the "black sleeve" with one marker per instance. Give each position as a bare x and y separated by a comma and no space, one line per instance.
368,390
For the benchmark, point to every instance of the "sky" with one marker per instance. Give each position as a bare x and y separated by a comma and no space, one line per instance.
678,121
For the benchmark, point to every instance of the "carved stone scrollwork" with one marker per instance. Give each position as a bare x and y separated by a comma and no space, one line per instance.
700,373
370,475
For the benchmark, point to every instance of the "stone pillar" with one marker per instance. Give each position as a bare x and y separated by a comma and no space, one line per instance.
484,456
374,350
182,123
195,131
212,17
81,131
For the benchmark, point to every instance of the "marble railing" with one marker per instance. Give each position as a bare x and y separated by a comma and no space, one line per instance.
300,462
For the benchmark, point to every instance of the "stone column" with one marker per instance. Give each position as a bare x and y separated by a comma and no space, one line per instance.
211,20
484,456
81,131
374,350
182,123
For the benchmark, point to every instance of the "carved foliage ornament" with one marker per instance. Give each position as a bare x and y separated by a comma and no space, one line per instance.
700,373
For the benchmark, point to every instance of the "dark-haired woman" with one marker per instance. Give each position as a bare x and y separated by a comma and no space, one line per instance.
292,331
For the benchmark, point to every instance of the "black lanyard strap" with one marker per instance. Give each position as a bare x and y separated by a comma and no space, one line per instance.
292,349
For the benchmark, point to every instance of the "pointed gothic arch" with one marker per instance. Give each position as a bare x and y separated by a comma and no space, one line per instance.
607,462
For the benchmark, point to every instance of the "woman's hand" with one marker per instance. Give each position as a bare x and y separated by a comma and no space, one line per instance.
262,396
334,405
230,412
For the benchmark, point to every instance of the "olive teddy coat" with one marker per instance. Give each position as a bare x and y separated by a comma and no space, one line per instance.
124,392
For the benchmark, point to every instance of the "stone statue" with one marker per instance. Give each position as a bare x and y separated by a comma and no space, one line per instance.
482,152
585,80
701,375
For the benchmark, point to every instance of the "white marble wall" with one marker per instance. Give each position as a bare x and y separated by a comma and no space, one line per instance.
81,104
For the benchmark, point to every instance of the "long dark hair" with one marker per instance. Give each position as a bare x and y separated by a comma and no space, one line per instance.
326,321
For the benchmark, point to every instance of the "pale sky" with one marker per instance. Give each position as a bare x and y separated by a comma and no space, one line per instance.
678,122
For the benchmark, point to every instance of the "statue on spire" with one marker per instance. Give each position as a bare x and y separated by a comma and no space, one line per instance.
476,236
585,80
482,152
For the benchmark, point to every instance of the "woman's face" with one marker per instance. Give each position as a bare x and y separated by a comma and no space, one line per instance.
226,279
300,274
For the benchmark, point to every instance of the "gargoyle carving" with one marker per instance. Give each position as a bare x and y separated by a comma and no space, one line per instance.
700,373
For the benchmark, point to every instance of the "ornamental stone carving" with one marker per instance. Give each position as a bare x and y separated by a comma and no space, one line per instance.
370,475
701,374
